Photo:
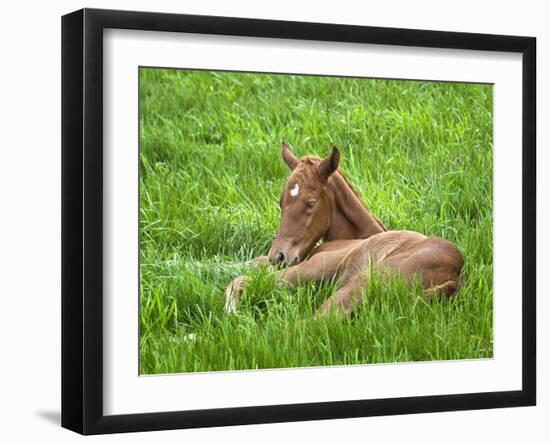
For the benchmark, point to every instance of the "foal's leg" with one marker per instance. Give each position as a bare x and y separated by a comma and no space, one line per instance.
234,291
345,298
316,269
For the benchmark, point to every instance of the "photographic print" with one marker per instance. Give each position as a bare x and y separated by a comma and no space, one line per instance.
290,221
298,221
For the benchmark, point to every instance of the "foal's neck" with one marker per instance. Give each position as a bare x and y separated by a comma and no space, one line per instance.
350,219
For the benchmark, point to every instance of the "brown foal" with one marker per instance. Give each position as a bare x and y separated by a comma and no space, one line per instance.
318,203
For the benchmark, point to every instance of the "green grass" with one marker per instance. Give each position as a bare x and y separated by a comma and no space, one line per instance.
420,155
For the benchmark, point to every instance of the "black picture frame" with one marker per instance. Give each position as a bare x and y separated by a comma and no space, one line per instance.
82,218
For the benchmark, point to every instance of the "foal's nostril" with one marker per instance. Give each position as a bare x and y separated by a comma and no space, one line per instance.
279,257
295,261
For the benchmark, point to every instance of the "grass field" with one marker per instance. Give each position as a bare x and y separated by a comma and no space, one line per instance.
420,155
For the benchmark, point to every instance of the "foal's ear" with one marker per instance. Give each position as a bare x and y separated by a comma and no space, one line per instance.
329,164
290,159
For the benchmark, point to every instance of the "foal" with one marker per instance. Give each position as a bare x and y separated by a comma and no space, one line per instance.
319,203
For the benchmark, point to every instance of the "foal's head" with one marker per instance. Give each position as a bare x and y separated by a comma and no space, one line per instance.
306,207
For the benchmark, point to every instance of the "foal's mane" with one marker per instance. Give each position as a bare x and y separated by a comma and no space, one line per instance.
340,181
349,187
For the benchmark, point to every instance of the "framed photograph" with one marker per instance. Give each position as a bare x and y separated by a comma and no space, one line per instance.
267,221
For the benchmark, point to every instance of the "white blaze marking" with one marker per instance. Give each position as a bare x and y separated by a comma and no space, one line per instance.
294,191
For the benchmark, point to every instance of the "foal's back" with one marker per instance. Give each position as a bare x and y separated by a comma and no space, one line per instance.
406,253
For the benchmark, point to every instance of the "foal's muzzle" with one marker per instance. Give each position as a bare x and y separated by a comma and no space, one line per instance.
281,259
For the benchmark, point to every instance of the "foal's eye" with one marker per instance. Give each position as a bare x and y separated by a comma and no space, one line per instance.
311,204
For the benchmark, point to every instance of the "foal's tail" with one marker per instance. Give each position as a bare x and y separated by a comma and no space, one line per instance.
446,289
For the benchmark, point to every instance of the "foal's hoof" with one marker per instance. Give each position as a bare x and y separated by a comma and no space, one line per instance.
234,293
